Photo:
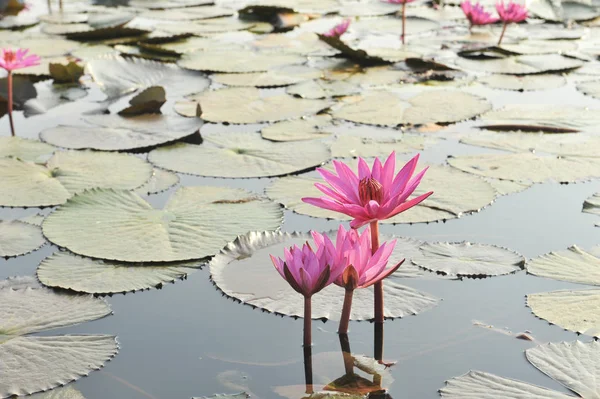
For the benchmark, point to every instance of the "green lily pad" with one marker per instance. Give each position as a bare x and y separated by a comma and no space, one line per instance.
94,276
573,264
466,259
160,181
67,173
521,65
316,89
195,223
148,101
238,61
25,149
284,76
309,128
352,146
524,82
246,105
524,167
243,154
207,27
388,109
119,133
19,238
592,205
243,270
542,117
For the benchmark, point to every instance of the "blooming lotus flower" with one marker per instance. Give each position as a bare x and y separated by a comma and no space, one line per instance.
476,14
375,194
512,12
403,2
11,60
339,29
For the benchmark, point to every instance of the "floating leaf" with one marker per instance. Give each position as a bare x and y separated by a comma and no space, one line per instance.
592,205
19,238
148,101
243,270
20,282
542,117
466,259
521,65
316,89
94,276
69,73
591,88
196,223
245,105
283,76
241,395
160,181
51,95
525,167
360,56
573,264
240,61
388,109
243,154
25,149
205,27
119,133
450,200
118,76
68,173
351,146
523,83
23,90
309,128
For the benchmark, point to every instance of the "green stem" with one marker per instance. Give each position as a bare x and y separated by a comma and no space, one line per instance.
307,322
378,285
346,354
345,319
10,102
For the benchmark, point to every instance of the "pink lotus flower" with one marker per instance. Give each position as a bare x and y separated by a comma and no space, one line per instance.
476,14
11,60
339,29
512,12
375,194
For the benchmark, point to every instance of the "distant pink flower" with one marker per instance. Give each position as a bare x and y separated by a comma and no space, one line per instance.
375,194
11,60
512,12
476,14
339,29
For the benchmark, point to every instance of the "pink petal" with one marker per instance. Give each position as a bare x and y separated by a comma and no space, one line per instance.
363,169
325,203
409,204
403,176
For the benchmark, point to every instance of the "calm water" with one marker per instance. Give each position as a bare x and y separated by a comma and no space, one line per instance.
188,340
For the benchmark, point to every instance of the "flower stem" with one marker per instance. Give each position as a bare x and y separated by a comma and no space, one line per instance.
345,320
49,6
379,341
502,34
378,285
308,374
307,321
346,354
60,5
403,28
10,102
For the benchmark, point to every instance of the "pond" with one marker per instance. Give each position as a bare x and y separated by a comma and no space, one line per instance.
227,108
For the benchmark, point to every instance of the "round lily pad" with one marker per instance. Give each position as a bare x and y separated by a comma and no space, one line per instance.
542,117
353,146
195,223
284,76
525,167
25,149
449,200
160,181
246,105
243,154
521,64
577,311
523,83
309,128
239,61
243,270
388,109
19,238
573,264
316,89
94,276
122,133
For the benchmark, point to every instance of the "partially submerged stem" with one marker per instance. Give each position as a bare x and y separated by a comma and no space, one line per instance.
346,354
307,321
308,374
60,5
9,82
502,34
379,285
403,24
345,319
379,341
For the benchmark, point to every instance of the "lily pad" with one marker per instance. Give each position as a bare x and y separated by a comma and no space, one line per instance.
542,117
94,276
160,181
352,146
309,128
243,154
466,259
67,173
521,65
577,311
573,264
122,133
25,149
591,88
524,82
240,61
246,105
243,270
449,201
284,76
118,76
148,101
592,205
19,238
195,223
525,167
388,109
316,89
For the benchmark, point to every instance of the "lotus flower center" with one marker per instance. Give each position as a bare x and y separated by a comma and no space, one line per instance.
369,189
10,56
